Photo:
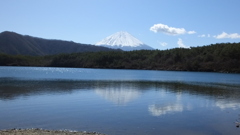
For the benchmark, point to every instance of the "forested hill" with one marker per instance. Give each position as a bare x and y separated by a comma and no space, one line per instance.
224,57
16,44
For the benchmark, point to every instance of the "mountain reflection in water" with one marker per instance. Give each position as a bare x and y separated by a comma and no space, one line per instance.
124,106
123,92
117,95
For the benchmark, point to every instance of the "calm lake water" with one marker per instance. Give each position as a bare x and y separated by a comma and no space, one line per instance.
119,102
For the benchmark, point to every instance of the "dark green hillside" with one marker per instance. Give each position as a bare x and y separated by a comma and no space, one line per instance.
224,57
20,60
16,44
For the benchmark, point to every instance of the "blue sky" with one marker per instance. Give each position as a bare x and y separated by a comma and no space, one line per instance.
161,24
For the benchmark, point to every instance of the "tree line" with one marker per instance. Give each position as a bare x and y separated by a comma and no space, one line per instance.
222,57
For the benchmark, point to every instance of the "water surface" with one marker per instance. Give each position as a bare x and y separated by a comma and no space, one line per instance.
119,102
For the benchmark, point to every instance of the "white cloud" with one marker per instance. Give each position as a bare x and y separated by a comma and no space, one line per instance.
226,35
180,44
163,43
191,32
169,30
203,35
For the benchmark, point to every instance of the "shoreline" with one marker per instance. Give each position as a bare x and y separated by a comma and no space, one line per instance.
37,131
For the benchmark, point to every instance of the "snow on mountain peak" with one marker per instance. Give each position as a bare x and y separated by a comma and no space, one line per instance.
121,39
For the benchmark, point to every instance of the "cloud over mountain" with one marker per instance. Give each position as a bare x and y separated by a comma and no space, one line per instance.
169,30
163,43
180,44
226,35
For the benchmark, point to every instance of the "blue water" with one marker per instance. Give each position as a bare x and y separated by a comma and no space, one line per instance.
36,73
117,102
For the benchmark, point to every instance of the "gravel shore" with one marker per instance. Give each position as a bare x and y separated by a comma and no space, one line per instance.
44,132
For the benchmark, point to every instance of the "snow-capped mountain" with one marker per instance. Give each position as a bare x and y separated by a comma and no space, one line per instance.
123,40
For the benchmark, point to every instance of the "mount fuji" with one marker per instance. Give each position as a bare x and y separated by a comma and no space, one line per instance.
123,40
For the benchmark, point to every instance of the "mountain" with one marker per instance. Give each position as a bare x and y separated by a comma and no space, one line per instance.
123,40
16,44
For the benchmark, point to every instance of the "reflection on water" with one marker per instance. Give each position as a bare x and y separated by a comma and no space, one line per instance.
118,96
158,110
119,93
123,92
161,109
226,104
81,105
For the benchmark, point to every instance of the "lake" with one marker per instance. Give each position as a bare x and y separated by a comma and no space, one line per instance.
119,102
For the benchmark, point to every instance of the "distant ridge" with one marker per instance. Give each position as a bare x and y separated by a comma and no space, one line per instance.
17,44
123,40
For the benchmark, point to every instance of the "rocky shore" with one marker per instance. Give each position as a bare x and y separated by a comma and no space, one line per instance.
44,132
